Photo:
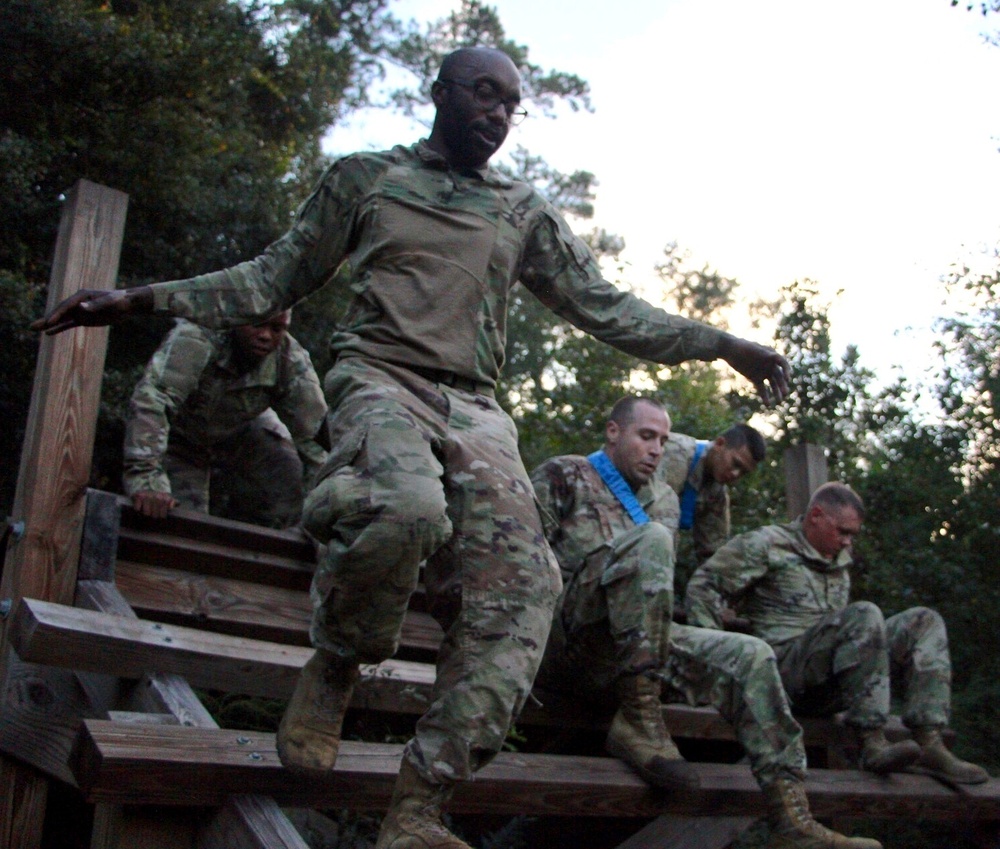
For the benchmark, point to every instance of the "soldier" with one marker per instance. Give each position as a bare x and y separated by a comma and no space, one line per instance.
424,464
612,638
791,582
700,472
246,401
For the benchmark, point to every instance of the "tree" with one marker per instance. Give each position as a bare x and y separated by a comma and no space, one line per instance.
206,112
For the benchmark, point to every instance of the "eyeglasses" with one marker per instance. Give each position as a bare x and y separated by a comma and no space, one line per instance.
487,97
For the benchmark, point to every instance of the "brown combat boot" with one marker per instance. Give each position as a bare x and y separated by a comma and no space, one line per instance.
309,734
793,826
880,756
936,760
639,736
414,817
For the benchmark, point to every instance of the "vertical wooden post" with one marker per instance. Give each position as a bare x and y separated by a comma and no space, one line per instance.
42,552
805,470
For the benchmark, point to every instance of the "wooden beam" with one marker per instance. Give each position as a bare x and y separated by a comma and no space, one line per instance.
185,766
40,560
23,805
805,470
244,608
102,642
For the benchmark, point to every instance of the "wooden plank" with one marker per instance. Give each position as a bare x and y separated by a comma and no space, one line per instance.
680,832
99,545
104,643
62,417
212,558
805,470
175,765
22,805
249,821
243,608
192,525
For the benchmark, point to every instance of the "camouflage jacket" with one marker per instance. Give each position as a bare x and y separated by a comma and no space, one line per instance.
580,513
430,254
711,512
191,388
773,577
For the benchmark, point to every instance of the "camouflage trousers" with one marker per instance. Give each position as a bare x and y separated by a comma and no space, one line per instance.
853,660
254,476
616,618
422,472
614,614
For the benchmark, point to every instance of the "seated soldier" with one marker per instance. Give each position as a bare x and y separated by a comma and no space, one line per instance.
245,403
700,472
791,582
613,640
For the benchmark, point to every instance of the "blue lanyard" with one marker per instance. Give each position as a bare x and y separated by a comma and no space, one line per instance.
690,495
619,488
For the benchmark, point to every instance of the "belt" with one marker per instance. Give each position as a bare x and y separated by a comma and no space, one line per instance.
449,378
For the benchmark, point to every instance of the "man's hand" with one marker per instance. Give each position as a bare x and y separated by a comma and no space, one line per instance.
95,308
764,367
156,505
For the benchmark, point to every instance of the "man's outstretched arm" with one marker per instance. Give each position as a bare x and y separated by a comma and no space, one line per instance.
764,367
94,308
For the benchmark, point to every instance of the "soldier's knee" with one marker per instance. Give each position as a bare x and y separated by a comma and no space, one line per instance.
864,613
754,653
656,541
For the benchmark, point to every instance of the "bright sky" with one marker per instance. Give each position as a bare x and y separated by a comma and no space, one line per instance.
852,143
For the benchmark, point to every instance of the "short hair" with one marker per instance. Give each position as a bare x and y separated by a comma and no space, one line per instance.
459,57
742,434
838,496
623,412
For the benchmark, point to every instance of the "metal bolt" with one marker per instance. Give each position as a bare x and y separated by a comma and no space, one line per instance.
16,528
256,756
242,740
5,606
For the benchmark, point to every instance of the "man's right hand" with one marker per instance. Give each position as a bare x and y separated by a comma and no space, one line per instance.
156,505
95,308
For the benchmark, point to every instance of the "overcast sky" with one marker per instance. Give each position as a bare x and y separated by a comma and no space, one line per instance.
854,143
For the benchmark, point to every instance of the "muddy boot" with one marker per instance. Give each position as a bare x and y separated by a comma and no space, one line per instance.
880,756
639,736
309,734
936,760
414,817
792,824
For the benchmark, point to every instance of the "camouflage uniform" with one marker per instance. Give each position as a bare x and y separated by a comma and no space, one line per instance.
425,464
832,655
614,617
194,410
710,529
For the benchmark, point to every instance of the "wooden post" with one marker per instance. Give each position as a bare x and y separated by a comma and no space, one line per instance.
805,470
42,551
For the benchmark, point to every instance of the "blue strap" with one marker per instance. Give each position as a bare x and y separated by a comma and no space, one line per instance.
619,488
689,496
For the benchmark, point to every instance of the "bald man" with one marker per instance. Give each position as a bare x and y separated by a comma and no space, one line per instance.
424,464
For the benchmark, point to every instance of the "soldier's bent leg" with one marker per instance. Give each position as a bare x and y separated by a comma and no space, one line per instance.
379,510
738,675
189,480
921,669
264,473
492,586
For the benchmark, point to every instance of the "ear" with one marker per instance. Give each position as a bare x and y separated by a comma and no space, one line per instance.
719,442
438,92
611,432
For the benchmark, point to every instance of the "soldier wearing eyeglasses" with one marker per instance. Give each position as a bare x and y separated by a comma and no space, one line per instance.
424,463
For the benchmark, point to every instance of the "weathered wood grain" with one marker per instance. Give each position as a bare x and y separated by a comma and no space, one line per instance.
174,765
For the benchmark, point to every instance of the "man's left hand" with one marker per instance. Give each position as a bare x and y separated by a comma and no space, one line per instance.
764,367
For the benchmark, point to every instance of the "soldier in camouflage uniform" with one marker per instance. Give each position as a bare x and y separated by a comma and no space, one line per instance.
245,403
791,582
613,641
424,464
700,472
